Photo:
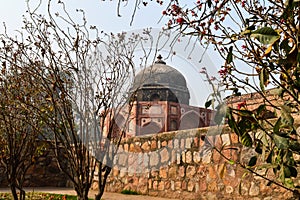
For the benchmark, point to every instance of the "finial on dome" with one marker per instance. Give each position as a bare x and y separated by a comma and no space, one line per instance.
159,60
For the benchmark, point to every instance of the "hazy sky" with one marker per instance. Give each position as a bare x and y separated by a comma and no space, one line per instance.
103,14
98,12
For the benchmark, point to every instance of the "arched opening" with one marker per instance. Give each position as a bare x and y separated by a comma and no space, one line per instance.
173,125
173,96
155,97
191,120
150,128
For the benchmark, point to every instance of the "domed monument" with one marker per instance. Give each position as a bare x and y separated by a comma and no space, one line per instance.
162,83
161,102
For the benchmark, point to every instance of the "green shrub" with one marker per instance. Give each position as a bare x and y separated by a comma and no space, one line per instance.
131,192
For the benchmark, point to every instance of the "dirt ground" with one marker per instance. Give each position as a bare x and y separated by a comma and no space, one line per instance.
106,196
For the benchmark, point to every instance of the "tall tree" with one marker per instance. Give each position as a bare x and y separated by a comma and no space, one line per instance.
19,125
258,40
83,78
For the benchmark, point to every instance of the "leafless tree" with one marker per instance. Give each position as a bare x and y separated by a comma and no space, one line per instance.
83,78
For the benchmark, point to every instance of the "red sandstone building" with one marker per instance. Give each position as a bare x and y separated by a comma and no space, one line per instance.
161,102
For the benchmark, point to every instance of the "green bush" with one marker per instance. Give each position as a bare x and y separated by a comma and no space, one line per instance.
130,192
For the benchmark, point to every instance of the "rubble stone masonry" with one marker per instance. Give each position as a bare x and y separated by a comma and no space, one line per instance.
43,173
186,165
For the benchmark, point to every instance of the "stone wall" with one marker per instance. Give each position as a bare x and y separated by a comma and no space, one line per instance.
185,165
43,172
254,100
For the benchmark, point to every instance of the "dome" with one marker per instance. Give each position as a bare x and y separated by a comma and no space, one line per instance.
162,77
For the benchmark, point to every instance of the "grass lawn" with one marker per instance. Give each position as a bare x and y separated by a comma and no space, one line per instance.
40,196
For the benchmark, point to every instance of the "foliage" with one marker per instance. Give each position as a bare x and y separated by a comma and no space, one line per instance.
81,77
258,40
19,125
41,196
131,192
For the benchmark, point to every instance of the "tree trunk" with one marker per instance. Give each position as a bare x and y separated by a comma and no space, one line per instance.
102,180
14,191
98,197
22,195
100,191
82,194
